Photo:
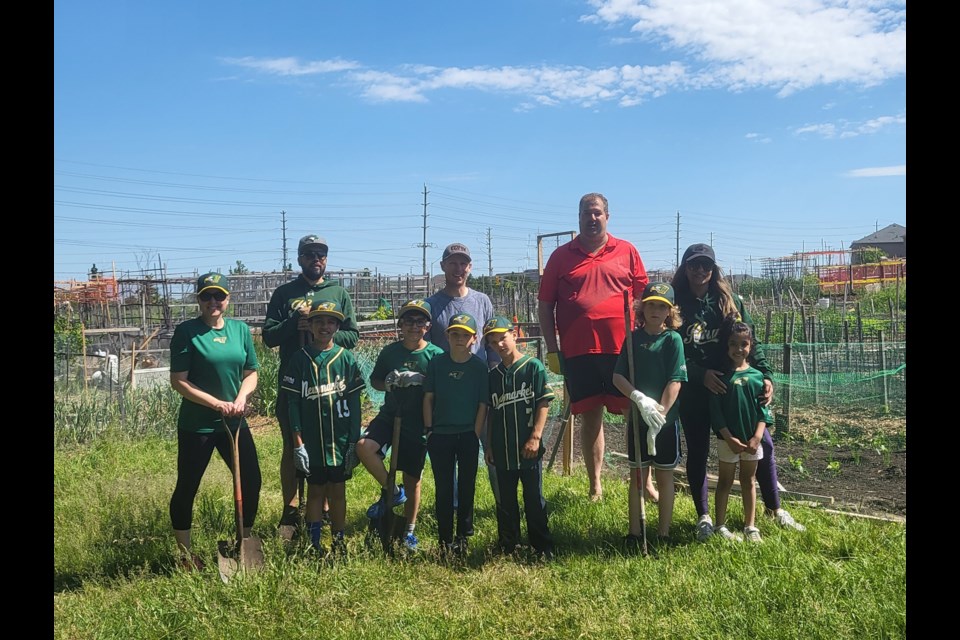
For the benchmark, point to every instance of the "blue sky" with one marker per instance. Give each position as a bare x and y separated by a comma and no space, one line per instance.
182,130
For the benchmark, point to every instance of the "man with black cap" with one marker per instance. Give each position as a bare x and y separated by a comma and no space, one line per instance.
285,326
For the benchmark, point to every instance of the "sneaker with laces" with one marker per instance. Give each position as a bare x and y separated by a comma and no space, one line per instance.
410,542
399,497
783,518
726,534
704,528
752,534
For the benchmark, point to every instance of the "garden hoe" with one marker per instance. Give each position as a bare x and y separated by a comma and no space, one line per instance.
387,523
244,554
634,419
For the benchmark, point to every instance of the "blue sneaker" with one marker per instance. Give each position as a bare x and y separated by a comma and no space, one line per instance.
410,542
399,497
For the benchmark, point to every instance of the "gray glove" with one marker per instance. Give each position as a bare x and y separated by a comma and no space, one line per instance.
301,460
410,379
392,380
650,411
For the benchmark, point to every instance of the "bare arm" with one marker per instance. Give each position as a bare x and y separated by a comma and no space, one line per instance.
480,420
623,385
247,387
670,393
428,410
531,449
548,324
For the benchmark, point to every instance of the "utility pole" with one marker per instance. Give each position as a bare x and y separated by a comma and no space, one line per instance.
676,263
283,229
711,238
424,228
489,254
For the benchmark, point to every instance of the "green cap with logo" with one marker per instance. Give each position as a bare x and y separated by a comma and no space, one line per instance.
463,321
659,291
212,280
497,324
419,306
326,308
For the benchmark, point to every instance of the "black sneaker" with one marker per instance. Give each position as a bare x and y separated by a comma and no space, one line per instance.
633,543
290,518
461,547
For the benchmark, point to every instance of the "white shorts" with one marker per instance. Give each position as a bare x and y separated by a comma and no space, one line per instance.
728,456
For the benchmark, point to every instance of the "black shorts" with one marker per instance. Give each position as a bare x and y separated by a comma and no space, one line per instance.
668,446
412,452
589,380
325,475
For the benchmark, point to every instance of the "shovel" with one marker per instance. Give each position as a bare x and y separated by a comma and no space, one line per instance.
244,554
387,524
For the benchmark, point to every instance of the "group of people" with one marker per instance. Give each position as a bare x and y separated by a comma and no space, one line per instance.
457,381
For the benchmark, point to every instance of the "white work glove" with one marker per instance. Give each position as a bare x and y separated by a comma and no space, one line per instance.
410,379
650,411
301,460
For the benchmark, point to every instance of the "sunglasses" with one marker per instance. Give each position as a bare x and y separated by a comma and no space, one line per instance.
415,322
313,255
217,295
700,265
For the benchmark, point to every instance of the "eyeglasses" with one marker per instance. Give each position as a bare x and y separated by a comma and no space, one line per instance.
313,255
415,322
218,295
700,265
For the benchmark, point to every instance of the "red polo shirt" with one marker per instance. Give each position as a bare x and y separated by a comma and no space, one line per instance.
588,291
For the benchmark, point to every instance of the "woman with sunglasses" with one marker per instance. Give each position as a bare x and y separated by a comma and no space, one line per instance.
213,365
705,299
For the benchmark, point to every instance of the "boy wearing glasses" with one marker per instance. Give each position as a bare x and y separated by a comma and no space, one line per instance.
399,371
286,326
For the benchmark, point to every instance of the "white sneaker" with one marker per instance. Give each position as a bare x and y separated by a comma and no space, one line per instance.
784,519
704,528
726,534
752,534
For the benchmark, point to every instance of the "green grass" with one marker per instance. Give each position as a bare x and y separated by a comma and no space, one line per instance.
114,575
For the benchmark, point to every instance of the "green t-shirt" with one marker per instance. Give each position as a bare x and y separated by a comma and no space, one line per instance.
396,356
657,360
215,360
324,401
739,409
514,394
459,389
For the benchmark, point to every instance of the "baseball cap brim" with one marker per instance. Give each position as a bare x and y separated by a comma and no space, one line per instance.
464,327
660,298
218,288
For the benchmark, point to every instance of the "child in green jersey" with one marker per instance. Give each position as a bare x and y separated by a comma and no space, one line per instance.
323,382
454,412
659,368
400,370
739,419
519,399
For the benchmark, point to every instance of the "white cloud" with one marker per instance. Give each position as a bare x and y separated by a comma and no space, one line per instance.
852,129
782,44
291,66
878,172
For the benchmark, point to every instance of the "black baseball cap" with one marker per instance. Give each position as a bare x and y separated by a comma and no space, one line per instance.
314,241
699,250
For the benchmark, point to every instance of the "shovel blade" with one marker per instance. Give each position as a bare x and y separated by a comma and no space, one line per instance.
231,560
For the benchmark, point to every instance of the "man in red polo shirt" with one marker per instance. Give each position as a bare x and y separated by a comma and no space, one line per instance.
581,297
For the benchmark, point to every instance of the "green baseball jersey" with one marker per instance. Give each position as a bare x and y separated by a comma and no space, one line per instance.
657,360
214,360
739,409
514,394
702,318
324,402
396,356
459,389
280,324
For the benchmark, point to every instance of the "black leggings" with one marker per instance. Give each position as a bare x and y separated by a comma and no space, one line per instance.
193,456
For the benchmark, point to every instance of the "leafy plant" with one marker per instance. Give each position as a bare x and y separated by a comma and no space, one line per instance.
797,464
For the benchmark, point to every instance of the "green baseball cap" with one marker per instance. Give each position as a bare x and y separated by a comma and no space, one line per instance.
497,324
326,308
419,306
212,280
659,291
463,321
